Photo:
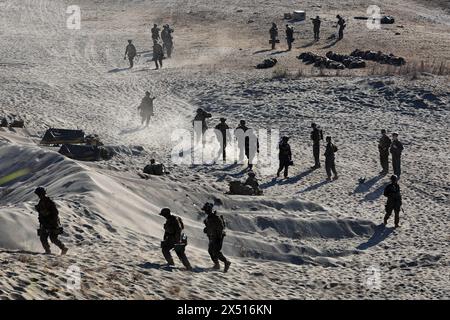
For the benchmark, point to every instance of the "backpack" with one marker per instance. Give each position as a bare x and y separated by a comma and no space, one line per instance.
321,134
335,149
222,224
180,223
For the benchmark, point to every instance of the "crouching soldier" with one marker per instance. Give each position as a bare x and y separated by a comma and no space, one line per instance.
394,200
253,183
155,169
50,225
174,238
215,230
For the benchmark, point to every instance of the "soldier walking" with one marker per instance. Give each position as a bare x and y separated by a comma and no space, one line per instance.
215,230
174,238
394,201
158,54
131,52
146,108
49,224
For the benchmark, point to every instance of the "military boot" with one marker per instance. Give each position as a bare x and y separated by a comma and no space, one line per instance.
227,266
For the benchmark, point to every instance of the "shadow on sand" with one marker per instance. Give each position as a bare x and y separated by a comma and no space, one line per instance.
292,180
309,44
364,187
22,252
165,267
118,70
132,130
380,234
262,51
331,44
315,186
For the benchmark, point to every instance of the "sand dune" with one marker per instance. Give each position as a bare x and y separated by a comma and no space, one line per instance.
305,238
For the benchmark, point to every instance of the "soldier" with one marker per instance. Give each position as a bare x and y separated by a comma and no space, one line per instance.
166,36
156,169
155,32
215,230
383,147
273,35
146,108
394,200
316,136
341,24
330,165
285,156
253,183
49,224
289,36
158,54
201,116
223,137
316,27
248,143
131,52
174,238
396,151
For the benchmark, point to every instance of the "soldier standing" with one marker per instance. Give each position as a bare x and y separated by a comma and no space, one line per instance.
158,54
273,35
155,32
316,27
201,116
285,156
316,136
383,147
131,52
49,224
289,36
166,36
330,165
396,151
215,230
248,143
341,24
146,108
394,200
174,238
223,137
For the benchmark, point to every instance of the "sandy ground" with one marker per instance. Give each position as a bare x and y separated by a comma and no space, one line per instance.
305,238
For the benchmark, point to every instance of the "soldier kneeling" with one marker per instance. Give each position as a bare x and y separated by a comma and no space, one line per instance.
156,169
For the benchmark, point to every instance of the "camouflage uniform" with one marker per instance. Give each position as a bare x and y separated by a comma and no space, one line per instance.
173,239
393,203
383,147
50,225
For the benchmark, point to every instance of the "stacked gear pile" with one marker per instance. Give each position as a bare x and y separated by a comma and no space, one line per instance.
379,57
12,121
350,62
319,61
267,63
